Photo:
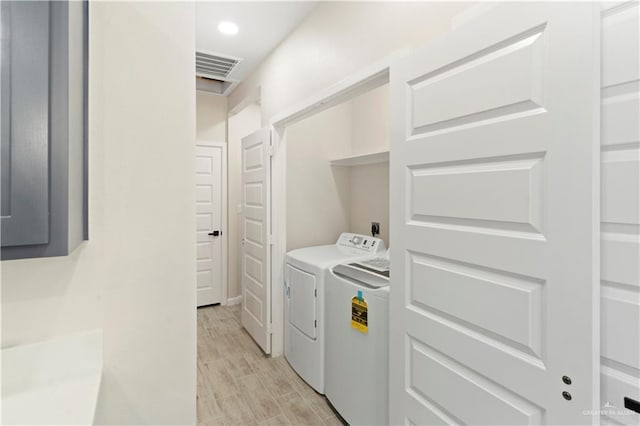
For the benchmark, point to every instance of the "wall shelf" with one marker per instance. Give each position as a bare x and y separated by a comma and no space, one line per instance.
361,160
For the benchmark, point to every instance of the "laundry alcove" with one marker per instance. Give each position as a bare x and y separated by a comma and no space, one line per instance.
337,171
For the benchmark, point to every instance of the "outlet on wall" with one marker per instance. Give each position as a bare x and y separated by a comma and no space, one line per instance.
375,228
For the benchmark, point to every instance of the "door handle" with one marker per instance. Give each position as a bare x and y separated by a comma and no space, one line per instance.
215,233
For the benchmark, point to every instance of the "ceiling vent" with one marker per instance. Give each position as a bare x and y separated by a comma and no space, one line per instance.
214,66
213,71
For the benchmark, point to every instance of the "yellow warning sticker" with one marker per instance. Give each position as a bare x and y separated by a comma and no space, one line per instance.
359,315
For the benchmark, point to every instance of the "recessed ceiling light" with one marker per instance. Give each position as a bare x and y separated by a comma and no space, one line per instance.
228,27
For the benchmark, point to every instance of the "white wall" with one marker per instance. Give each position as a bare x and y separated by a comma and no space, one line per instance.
45,298
240,125
369,199
211,117
317,194
142,115
336,40
370,129
135,277
370,184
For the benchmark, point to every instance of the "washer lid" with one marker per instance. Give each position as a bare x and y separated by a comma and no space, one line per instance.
362,274
324,256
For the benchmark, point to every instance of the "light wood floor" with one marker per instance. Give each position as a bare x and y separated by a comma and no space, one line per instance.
239,385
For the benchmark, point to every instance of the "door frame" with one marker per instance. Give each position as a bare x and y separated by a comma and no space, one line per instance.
223,217
362,81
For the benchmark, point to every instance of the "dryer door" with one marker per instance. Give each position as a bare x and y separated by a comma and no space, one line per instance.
302,300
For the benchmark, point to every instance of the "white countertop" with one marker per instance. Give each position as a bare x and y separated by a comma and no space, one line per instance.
52,382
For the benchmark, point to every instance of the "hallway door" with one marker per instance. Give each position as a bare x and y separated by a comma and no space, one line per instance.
256,237
210,214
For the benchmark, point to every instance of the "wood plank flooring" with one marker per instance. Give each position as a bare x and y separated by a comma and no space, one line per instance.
239,385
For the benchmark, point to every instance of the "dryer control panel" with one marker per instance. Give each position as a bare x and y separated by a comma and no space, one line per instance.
362,242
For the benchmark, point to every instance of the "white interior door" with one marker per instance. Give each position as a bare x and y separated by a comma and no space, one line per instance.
209,215
620,244
494,211
256,249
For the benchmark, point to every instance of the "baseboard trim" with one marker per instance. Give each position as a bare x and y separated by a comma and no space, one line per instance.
234,300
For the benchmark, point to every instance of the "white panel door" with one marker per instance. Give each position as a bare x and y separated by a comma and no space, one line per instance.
494,212
620,214
256,249
209,181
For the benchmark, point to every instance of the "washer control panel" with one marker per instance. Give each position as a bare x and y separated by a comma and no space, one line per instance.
362,242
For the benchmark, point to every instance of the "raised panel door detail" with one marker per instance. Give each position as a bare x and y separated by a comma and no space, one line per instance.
620,343
479,95
462,396
620,44
620,198
204,194
253,268
253,306
620,112
253,158
254,232
494,193
253,194
204,221
203,278
495,304
619,252
204,165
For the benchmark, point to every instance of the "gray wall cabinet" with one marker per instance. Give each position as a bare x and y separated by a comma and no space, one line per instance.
43,124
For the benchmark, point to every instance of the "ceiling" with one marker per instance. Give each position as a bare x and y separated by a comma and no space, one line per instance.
262,25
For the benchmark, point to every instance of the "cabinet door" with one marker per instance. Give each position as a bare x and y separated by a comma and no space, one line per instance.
24,125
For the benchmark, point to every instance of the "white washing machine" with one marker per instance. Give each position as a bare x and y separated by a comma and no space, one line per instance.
304,273
357,341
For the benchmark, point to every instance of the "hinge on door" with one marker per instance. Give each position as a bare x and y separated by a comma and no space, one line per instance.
315,323
315,292
270,240
270,150
269,328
